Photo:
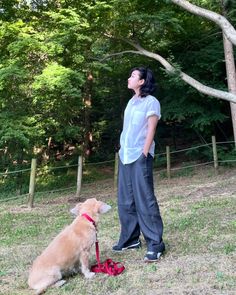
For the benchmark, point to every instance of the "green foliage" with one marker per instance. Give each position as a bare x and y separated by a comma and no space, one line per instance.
203,153
18,135
94,173
52,63
41,77
57,100
227,155
50,180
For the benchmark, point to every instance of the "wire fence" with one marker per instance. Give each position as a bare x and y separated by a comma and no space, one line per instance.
64,179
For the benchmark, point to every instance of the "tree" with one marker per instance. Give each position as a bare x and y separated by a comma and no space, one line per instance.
185,77
228,29
229,38
57,90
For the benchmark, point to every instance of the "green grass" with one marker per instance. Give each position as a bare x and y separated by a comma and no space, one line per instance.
199,232
199,223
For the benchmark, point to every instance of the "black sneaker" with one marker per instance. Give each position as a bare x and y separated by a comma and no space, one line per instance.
152,256
117,248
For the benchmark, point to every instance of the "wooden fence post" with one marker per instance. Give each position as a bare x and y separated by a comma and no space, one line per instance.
168,161
214,148
115,173
32,183
79,176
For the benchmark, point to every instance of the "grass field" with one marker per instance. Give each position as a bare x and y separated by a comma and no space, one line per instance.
199,214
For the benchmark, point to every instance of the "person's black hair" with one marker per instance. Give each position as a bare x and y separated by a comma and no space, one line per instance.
149,85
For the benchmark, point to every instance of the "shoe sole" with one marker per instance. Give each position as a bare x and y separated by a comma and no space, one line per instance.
133,247
146,260
126,249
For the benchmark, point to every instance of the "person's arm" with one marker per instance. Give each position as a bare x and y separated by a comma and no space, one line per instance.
152,124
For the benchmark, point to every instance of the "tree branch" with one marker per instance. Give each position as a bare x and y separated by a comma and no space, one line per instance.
220,20
118,53
191,81
170,69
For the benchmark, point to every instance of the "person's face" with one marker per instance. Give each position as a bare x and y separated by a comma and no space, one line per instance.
134,81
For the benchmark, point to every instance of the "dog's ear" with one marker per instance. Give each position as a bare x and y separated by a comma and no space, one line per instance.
76,210
103,208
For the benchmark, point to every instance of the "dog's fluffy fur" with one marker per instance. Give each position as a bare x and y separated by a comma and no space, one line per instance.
68,250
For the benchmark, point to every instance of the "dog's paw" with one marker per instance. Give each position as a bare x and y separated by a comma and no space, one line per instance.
89,275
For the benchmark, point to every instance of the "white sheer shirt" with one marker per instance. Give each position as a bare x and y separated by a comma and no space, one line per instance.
135,127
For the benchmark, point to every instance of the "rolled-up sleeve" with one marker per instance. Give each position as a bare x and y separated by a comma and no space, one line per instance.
154,108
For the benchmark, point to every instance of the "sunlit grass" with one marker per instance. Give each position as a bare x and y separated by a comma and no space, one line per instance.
199,234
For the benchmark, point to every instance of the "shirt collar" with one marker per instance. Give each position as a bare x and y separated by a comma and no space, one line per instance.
136,99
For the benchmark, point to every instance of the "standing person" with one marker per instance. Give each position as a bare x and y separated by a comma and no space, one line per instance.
137,205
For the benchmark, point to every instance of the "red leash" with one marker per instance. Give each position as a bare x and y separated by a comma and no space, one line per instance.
108,266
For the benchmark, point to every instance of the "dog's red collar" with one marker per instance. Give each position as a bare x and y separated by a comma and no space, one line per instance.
89,219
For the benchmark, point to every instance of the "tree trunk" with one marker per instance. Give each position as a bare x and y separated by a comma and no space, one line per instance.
87,125
231,78
230,70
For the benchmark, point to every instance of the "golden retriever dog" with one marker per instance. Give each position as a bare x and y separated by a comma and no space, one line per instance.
69,249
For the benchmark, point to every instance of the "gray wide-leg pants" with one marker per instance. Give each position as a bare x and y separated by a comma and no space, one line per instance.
137,205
